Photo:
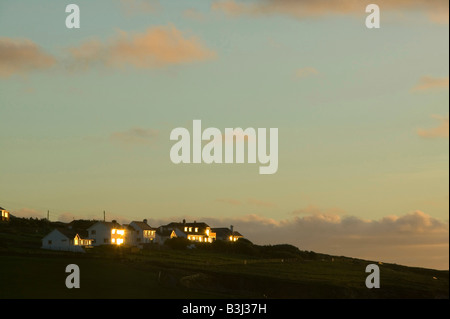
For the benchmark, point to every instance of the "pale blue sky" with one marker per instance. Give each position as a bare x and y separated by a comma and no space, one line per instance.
348,135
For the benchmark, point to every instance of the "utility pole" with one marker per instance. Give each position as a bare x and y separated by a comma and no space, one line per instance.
104,216
48,215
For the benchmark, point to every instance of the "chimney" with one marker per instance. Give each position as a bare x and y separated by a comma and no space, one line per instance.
231,228
114,221
184,221
145,221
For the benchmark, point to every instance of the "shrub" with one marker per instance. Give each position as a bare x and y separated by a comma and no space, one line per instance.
178,243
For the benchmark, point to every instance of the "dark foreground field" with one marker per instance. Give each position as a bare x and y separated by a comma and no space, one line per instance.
200,274
224,272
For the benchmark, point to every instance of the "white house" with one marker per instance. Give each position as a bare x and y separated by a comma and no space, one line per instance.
227,234
140,233
162,234
65,239
197,232
4,214
107,233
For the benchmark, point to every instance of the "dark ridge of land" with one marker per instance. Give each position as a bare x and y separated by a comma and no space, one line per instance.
221,270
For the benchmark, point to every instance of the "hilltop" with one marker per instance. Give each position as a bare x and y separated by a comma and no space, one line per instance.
219,270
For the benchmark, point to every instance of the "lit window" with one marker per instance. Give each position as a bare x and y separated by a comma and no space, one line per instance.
190,229
207,232
231,238
113,240
119,241
120,231
185,228
113,231
196,229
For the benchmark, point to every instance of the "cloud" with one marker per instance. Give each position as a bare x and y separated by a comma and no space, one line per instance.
305,72
134,137
436,10
314,210
156,47
194,15
414,239
427,83
21,56
441,130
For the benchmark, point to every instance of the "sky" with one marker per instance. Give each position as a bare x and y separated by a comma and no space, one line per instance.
362,116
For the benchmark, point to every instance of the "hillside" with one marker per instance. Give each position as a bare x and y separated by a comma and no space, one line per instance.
221,270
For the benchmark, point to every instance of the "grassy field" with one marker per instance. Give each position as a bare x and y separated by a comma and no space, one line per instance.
200,274
26,271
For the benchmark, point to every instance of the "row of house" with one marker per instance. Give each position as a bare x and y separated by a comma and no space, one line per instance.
81,234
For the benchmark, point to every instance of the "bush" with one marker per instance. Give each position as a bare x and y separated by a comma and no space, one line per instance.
178,243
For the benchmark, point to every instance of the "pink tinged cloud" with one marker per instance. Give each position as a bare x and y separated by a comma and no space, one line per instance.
193,14
428,83
440,131
156,47
21,56
436,10
134,137
305,72
414,239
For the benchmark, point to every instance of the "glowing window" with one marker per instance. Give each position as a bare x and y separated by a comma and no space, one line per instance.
190,229
120,231
113,240
185,229
113,231
196,229
119,241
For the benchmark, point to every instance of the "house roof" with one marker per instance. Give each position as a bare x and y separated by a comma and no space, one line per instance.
70,233
225,232
1,208
142,225
80,226
201,226
108,224
164,232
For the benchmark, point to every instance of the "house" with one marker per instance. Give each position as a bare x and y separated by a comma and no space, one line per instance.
65,239
5,214
227,234
140,233
107,233
162,234
198,232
